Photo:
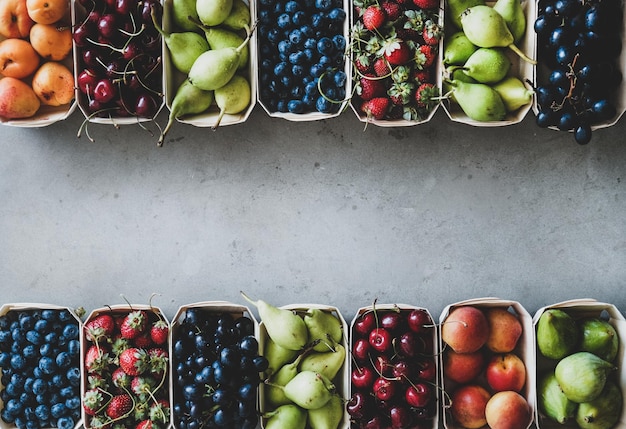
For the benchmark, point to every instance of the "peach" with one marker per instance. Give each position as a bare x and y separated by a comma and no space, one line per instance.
465,329
505,329
47,11
18,58
468,405
17,99
14,19
54,84
507,410
462,367
506,372
52,42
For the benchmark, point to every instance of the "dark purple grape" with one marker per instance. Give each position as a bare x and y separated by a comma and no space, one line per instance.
582,134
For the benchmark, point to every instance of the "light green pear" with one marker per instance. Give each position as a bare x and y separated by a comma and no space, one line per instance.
239,16
286,417
219,38
457,49
478,101
323,326
454,9
274,392
514,93
514,16
327,363
213,12
309,390
486,65
277,356
232,98
329,416
181,11
184,47
189,100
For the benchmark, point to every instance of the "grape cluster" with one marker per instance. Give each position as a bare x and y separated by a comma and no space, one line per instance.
119,58
301,57
217,364
579,43
39,357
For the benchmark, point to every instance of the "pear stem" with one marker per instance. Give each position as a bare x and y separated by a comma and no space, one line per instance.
521,54
247,298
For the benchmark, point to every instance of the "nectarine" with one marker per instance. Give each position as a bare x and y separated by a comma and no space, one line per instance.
506,372
17,99
54,84
507,410
465,329
18,58
14,19
468,404
505,329
51,41
47,11
462,367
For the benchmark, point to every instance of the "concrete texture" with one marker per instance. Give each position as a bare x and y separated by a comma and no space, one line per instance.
312,212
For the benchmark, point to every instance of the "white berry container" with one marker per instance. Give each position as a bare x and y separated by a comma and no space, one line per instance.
432,422
47,115
582,308
173,78
341,381
18,307
119,311
519,68
214,307
525,349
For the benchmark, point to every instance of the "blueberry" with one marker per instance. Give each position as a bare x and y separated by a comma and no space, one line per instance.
70,331
316,70
73,403
337,15
299,18
41,325
5,337
42,412
297,57
63,360
65,423
18,362
6,416
47,365
46,350
292,6
273,35
27,322
340,42
296,106
67,392
323,106
297,91
73,348
297,70
28,384
296,37
52,315
286,81
13,407
52,338
58,410
284,20
340,78
18,336
309,54
281,106
325,61
39,386
325,46
281,69
323,4
318,20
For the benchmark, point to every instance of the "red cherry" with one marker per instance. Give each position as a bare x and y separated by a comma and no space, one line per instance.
391,321
359,406
104,91
364,324
107,25
382,365
146,106
380,339
363,378
384,389
419,320
361,349
402,370
376,422
400,417
418,395
427,369
87,81
124,7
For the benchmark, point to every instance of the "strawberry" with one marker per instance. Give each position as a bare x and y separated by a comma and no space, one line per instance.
381,67
392,10
400,93
119,406
96,359
118,345
99,328
426,4
374,17
160,411
159,332
95,381
143,341
158,360
431,33
370,87
134,324
145,424
376,108
120,379
421,76
396,51
134,361
425,56
363,63
395,113
92,401
142,386
425,94
100,422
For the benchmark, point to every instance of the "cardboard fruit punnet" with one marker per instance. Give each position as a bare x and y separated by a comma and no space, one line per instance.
525,350
38,306
519,68
172,78
120,309
341,381
579,308
217,307
436,351
48,115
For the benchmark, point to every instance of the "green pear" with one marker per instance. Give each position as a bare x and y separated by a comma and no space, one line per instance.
189,100
274,387
552,401
232,98
285,327
514,16
486,28
216,67
181,11
454,9
514,93
599,337
219,38
323,326
557,333
184,47
487,65
478,101
329,416
309,390
286,417
213,12
604,411
239,17
327,363
457,49
277,356
582,376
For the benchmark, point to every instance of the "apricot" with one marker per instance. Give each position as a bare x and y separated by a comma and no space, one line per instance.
46,11
17,99
52,42
14,19
54,84
18,58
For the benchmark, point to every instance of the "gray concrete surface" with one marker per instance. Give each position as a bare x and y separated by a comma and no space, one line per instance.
312,212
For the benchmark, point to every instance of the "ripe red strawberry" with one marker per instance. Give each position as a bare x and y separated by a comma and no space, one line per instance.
158,359
99,328
134,324
431,32
425,95
370,87
120,379
143,341
422,76
160,411
144,424
426,4
395,113
363,64
159,332
381,67
392,9
119,406
96,359
400,93
396,51
374,17
134,361
92,401
426,56
376,108
142,386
